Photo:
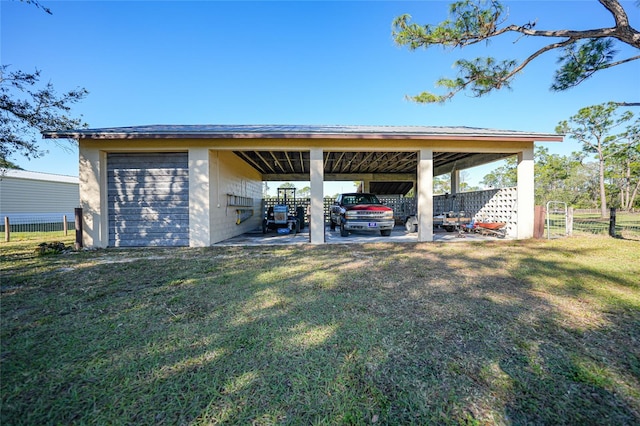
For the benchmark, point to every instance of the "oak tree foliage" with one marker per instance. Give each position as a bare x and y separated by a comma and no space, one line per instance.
28,107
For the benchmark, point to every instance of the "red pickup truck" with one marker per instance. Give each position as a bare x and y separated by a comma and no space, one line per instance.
361,212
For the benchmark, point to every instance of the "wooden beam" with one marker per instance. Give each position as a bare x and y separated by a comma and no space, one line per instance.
373,177
468,162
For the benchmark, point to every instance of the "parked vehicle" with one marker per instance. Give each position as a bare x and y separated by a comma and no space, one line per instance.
361,212
450,221
280,217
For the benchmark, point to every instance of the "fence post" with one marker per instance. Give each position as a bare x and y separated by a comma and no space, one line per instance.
570,221
78,224
612,223
7,231
65,225
538,222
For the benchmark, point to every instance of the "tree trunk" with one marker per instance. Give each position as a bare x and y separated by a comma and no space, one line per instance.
627,189
603,195
634,194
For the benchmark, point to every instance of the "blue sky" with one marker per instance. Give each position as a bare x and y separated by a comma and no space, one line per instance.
289,62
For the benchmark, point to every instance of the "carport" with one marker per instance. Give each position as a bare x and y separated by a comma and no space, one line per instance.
225,163
393,160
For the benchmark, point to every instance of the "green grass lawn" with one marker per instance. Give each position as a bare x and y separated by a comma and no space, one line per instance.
496,332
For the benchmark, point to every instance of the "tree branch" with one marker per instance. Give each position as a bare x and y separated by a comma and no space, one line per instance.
37,4
473,21
613,64
618,12
536,54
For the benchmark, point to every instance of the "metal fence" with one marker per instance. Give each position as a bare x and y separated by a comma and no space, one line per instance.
25,227
558,220
621,224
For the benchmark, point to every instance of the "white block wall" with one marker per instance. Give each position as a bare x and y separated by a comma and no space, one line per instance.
501,207
230,175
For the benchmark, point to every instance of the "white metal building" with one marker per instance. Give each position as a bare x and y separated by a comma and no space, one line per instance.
28,197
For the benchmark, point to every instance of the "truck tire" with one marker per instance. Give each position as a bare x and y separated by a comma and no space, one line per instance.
343,231
411,224
385,232
332,226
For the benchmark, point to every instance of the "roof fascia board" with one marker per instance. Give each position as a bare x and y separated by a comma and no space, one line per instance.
452,145
470,136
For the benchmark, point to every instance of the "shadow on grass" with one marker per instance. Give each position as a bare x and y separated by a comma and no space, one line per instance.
355,334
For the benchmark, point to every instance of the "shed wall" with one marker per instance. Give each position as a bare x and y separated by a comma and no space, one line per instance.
234,186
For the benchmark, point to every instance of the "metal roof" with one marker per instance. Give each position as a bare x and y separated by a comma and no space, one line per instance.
296,131
29,175
394,170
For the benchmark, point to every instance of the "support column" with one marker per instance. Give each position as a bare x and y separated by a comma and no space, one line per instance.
93,197
455,181
316,177
526,195
425,195
366,185
199,198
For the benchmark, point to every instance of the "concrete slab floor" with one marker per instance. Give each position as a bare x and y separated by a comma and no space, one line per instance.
398,235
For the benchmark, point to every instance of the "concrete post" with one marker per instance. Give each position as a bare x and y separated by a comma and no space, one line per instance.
316,176
199,198
425,195
93,197
526,195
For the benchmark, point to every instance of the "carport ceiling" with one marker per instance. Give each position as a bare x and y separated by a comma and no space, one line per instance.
390,188
284,163
389,172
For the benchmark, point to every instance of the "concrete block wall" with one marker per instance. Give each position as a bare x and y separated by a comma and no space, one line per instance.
501,207
229,175
492,205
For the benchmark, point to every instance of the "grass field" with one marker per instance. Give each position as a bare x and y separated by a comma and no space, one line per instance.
496,332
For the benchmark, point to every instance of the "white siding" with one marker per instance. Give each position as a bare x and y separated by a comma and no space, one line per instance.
24,194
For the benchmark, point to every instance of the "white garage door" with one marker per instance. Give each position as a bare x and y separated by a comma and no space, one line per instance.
148,199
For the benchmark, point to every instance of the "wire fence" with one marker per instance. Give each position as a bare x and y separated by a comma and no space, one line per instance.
625,224
25,227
